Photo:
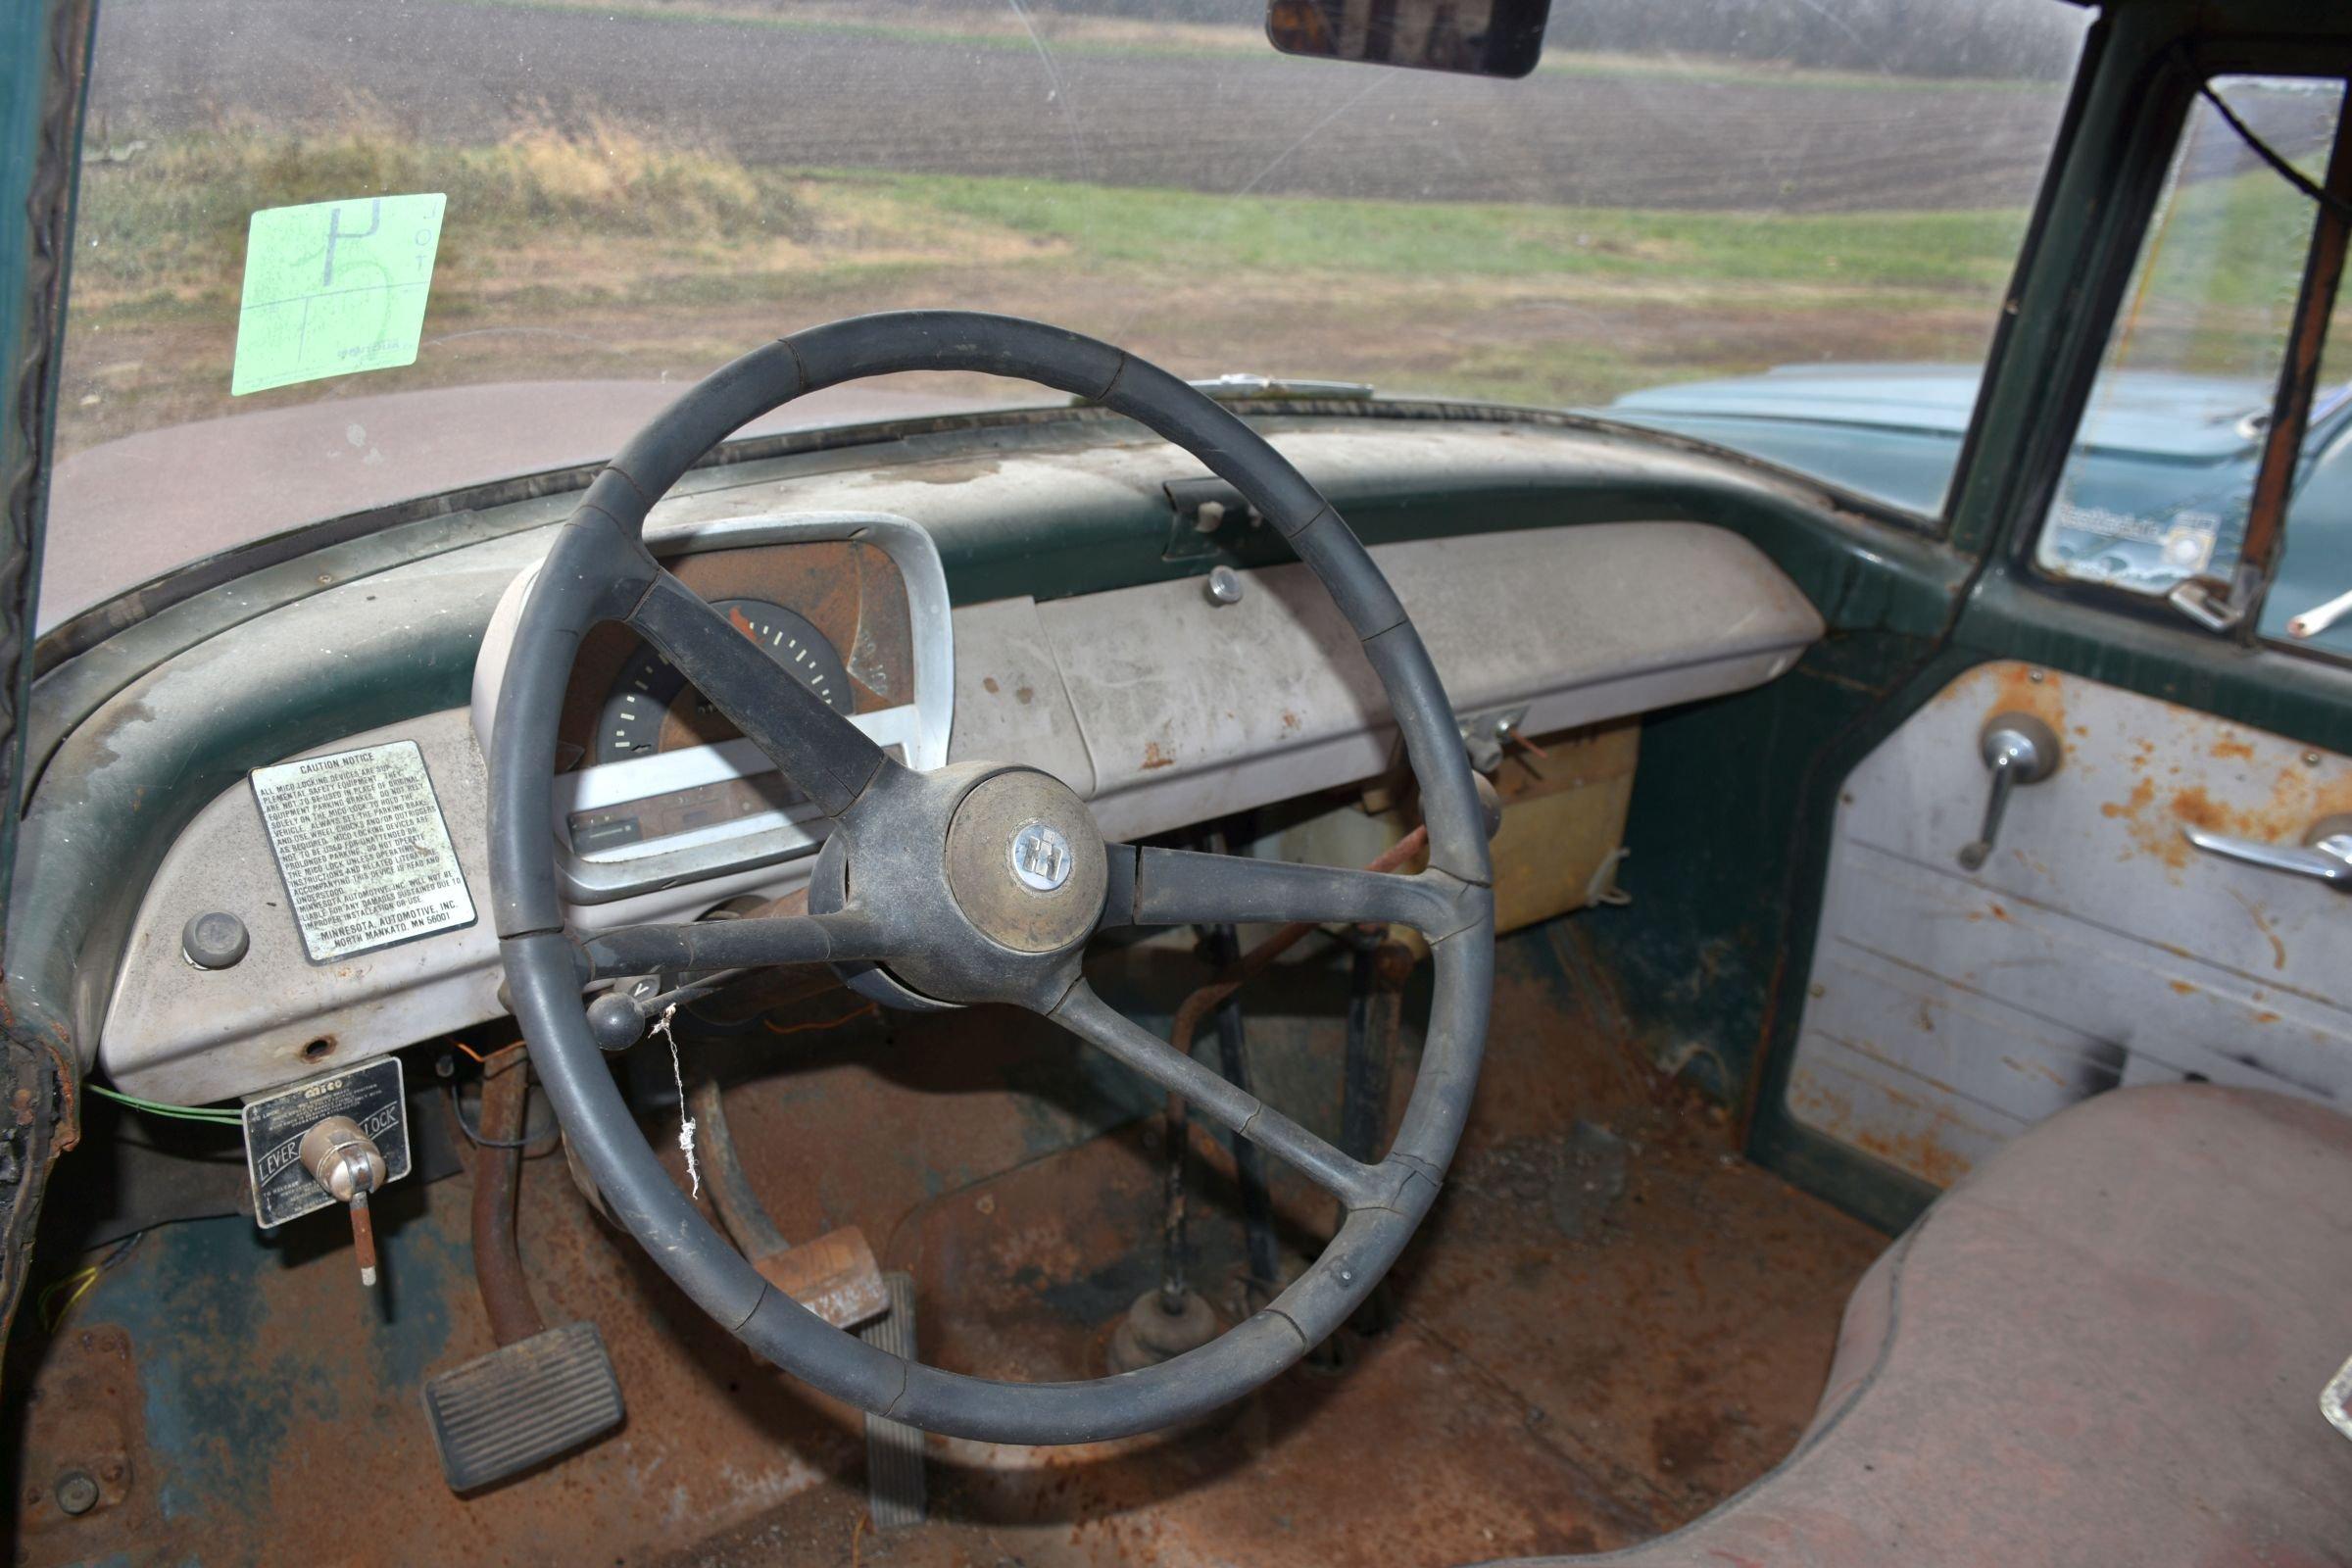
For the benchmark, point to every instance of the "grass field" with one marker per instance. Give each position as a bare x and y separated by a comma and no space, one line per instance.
597,250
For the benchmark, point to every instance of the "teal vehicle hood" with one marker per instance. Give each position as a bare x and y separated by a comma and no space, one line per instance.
2144,414
2157,489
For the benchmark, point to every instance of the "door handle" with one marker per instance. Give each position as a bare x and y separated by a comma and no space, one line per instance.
2323,855
2020,748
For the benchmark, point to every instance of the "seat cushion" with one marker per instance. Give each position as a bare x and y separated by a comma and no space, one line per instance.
2105,1346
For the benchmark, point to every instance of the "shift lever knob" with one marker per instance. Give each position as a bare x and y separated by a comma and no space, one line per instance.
346,1163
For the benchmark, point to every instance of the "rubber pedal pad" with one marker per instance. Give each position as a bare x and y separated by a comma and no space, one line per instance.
522,1404
894,1450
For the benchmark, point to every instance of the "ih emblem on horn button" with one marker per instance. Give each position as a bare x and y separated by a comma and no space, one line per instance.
1041,857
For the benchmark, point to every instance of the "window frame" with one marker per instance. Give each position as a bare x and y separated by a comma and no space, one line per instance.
2170,88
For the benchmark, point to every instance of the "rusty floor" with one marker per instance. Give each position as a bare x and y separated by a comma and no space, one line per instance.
1609,1324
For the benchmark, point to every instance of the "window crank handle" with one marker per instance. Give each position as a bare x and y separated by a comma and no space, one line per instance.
2020,748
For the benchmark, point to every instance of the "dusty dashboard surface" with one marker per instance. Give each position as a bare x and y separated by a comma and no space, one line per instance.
1159,704
665,811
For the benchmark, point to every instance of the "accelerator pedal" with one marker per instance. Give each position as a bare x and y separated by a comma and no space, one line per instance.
522,1404
894,1450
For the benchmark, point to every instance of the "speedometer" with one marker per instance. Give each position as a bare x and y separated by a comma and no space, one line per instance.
651,709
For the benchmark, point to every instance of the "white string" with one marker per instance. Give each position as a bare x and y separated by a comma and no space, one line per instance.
677,1075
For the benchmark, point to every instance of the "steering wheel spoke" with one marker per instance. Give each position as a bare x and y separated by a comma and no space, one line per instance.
829,757
1186,887
1085,1013
844,936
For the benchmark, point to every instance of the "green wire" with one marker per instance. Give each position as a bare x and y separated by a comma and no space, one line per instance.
219,1117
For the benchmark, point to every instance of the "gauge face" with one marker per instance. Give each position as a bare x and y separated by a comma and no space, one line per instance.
651,707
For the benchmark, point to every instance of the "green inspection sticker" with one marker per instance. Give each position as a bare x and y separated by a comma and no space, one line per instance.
334,287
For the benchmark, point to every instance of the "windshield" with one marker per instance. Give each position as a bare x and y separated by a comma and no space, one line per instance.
496,235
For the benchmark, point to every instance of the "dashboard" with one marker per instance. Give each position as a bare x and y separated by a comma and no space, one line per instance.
1162,706
653,785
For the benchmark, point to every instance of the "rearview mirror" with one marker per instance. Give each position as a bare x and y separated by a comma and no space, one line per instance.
1475,37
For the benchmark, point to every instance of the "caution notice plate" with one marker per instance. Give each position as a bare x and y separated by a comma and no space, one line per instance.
366,856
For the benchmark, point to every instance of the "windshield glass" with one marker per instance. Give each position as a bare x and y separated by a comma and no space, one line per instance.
496,235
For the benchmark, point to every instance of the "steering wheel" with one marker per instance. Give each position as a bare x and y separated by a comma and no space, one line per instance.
976,882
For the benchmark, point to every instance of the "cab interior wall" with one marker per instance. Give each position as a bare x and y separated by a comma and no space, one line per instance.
1654,1284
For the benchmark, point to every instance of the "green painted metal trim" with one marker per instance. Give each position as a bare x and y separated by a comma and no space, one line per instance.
1868,1188
44,49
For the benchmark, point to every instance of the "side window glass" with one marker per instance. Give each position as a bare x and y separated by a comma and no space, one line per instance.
2310,604
2158,485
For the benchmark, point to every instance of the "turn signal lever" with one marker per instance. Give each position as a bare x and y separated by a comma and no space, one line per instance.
2020,748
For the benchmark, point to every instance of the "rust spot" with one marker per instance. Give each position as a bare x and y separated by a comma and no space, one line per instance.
2199,809
2142,792
2183,987
2015,690
2155,833
1290,720
2265,1016
2278,948
1920,1151
1153,757
1023,695
2035,1070
988,683
2296,799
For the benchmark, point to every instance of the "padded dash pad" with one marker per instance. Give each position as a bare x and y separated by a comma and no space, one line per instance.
523,1403
334,287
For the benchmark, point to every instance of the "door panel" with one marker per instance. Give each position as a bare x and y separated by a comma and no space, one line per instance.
1947,1010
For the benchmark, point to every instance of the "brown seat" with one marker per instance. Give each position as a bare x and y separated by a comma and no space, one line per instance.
2106,1347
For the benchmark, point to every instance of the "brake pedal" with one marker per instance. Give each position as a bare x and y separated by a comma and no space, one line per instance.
894,1450
523,1403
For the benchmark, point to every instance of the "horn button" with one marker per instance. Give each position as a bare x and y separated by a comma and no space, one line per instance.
1025,863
